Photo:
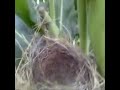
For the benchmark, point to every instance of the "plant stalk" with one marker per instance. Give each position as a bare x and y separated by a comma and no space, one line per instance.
53,27
61,14
96,25
82,22
52,9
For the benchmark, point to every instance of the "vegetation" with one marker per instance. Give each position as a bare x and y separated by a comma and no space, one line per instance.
44,29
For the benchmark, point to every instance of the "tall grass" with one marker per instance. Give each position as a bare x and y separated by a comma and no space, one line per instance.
61,14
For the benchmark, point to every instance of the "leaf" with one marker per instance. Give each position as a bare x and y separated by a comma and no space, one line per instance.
22,10
32,11
96,19
22,32
75,3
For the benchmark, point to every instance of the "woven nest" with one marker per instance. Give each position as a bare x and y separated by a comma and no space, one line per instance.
60,65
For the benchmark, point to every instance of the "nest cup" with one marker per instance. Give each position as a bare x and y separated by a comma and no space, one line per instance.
57,65
58,62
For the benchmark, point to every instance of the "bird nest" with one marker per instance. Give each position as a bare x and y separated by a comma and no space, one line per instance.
52,64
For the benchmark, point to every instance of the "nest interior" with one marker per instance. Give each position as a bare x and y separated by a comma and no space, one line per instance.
58,62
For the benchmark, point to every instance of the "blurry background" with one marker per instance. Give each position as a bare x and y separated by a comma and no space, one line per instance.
26,17
83,19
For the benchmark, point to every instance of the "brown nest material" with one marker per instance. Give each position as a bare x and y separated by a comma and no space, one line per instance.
58,62
50,64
